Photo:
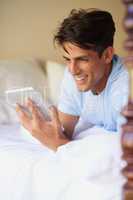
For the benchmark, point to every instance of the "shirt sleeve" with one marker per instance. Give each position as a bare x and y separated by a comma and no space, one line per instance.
70,100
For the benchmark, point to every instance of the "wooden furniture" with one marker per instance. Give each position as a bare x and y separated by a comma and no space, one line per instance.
127,138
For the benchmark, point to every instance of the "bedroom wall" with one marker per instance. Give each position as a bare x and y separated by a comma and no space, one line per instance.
27,26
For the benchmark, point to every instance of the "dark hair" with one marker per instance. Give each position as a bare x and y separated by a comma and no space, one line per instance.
89,29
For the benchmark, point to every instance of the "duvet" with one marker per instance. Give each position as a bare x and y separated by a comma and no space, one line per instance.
86,168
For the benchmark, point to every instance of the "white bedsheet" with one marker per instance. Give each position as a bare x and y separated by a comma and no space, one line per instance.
86,169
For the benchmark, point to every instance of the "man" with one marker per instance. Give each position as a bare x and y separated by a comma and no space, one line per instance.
95,84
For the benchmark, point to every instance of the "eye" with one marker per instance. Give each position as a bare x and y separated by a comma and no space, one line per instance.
86,59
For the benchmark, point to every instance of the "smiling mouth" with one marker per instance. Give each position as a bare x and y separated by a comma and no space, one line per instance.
80,78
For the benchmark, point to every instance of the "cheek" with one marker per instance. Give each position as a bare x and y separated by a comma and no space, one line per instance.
98,69
87,68
91,70
94,77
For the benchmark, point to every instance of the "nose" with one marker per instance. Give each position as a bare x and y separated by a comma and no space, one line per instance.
73,67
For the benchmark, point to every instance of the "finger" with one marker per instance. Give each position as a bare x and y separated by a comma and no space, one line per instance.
54,114
55,117
35,112
30,104
23,116
37,116
31,101
21,110
33,107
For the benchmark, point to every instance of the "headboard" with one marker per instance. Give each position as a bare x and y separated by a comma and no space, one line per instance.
127,138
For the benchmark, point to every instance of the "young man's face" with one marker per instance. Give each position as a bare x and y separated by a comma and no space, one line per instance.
86,67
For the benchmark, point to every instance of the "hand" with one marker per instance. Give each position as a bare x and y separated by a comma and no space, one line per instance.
48,133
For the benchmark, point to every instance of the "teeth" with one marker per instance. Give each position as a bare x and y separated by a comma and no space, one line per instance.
79,78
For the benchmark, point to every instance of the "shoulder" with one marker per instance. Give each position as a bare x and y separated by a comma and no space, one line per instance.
119,70
119,76
119,84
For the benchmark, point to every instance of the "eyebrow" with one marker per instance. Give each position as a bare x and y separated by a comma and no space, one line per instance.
78,57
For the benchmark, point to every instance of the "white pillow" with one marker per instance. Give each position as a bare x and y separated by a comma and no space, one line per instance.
21,73
55,73
17,74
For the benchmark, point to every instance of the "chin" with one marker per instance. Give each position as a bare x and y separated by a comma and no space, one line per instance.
84,88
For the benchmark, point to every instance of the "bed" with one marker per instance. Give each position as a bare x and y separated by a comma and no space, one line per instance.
86,168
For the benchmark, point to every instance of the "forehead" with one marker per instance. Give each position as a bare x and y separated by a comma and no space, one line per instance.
75,51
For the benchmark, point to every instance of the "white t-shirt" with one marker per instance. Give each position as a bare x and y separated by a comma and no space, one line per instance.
100,110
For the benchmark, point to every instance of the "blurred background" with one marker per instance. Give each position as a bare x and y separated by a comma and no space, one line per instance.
27,26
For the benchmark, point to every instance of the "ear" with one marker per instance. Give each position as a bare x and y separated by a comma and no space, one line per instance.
108,55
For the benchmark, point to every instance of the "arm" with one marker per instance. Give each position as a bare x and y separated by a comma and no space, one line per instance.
68,122
70,104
